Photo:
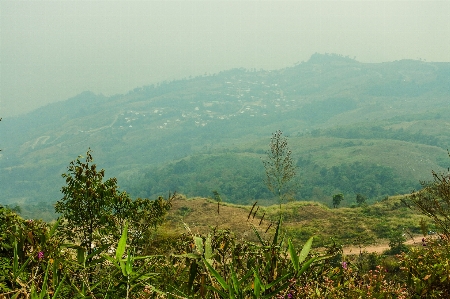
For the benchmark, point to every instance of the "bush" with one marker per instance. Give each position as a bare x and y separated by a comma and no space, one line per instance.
428,269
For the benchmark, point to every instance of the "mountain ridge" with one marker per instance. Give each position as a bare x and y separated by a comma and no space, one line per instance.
151,126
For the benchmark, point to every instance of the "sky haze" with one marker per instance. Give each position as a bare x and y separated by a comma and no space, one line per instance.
53,50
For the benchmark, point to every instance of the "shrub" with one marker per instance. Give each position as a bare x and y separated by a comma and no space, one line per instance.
428,269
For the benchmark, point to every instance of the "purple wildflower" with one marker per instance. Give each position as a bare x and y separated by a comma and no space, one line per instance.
344,265
290,295
40,255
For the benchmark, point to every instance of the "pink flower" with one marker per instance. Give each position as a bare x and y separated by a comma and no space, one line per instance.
40,255
344,265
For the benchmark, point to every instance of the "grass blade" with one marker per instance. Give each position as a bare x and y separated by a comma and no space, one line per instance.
216,274
275,237
294,256
257,285
259,236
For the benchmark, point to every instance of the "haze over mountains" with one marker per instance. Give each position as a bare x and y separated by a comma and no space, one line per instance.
375,129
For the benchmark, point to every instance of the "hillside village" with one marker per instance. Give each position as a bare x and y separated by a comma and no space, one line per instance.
340,114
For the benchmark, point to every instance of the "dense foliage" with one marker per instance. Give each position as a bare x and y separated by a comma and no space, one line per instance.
212,265
239,179
41,260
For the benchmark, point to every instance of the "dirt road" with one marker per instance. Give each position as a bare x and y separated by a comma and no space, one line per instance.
379,248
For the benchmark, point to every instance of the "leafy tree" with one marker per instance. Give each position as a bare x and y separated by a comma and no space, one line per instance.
337,198
396,242
360,199
94,212
280,168
87,203
434,200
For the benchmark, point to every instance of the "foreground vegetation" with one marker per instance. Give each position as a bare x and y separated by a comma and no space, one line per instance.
36,262
105,246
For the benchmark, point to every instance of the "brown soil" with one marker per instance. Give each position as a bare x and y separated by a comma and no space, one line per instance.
381,247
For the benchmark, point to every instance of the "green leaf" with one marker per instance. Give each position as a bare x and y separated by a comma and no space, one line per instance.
208,248
129,265
15,260
245,277
81,256
220,292
188,255
97,251
193,270
257,285
294,256
112,260
198,244
234,280
306,265
44,284
122,243
122,267
54,227
147,256
305,250
284,286
219,278
55,294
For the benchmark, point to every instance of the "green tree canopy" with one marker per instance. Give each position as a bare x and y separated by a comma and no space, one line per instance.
337,198
434,200
94,211
360,199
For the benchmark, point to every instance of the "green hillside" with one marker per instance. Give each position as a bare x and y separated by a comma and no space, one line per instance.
373,129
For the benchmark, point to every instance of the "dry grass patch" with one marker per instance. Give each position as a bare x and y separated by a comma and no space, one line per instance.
349,226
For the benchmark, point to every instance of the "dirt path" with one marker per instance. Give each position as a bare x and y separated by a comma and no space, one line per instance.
379,248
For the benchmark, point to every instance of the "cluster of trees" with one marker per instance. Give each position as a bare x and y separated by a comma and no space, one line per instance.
97,249
367,179
239,179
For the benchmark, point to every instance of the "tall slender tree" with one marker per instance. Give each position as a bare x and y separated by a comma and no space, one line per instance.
280,168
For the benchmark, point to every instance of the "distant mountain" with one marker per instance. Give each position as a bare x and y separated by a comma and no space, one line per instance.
389,117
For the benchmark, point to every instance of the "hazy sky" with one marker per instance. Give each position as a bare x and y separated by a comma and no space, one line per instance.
53,50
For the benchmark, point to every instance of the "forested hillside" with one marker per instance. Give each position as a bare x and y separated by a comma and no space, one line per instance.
354,128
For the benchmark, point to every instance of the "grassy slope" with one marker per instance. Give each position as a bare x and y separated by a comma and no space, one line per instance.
301,220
